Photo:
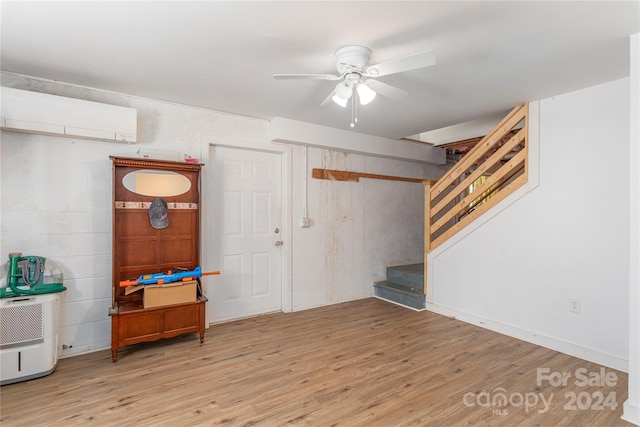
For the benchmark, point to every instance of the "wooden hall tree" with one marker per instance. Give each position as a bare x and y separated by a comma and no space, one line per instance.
142,248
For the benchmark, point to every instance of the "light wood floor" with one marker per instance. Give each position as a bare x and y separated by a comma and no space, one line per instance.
363,363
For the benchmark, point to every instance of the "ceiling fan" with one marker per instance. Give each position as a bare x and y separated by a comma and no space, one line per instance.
357,79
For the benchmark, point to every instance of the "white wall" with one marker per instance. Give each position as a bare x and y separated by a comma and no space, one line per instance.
632,404
360,228
568,238
56,202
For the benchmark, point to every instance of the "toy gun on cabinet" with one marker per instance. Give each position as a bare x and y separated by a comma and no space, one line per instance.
169,277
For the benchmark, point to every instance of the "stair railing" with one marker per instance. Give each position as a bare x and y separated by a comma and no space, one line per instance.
494,168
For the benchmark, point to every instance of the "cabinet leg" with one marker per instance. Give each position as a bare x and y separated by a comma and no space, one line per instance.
115,328
201,337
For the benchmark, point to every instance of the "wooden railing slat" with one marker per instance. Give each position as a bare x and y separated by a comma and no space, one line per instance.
514,117
521,180
497,186
500,153
427,228
505,170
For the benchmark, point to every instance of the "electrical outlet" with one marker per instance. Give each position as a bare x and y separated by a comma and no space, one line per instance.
574,305
306,222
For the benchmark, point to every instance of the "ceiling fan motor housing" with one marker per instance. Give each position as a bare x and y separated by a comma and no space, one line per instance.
352,58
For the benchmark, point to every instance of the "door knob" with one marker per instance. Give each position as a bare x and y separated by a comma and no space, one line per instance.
279,243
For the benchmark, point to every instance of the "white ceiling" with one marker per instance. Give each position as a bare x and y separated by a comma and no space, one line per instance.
222,55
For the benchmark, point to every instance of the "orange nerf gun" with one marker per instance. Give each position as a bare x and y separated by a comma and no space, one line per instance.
169,277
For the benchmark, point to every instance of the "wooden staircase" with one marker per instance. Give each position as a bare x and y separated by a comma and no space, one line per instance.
404,286
495,167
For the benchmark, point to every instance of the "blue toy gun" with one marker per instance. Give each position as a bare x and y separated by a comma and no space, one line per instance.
169,277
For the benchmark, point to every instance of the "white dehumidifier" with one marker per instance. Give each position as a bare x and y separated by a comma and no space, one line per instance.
28,337
30,289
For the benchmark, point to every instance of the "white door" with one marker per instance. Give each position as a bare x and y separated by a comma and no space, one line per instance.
247,230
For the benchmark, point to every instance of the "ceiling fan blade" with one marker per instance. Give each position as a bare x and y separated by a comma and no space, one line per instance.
307,76
327,100
386,90
408,63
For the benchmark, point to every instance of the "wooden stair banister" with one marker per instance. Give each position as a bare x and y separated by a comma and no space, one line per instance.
458,198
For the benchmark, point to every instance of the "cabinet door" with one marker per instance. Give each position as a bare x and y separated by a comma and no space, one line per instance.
142,326
181,320
163,322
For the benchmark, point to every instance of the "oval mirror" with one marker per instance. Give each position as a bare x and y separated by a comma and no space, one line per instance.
156,183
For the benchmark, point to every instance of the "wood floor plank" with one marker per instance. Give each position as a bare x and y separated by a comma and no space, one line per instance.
363,363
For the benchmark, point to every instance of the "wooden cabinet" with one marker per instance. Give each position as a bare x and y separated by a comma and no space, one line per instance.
140,248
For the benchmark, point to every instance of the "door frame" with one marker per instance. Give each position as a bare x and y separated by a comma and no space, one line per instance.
207,212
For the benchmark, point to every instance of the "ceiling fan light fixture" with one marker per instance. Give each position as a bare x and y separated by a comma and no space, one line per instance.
340,101
365,93
342,93
343,90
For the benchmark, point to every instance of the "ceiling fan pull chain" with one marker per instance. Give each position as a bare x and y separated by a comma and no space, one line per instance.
356,101
354,105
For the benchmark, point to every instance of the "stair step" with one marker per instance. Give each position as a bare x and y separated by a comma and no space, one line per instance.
411,275
400,294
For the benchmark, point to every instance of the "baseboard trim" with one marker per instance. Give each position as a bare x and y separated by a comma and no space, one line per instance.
401,305
631,413
565,347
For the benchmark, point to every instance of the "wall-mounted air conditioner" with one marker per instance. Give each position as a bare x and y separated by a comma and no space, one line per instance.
34,112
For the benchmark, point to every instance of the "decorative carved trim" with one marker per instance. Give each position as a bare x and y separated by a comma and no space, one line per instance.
155,164
147,205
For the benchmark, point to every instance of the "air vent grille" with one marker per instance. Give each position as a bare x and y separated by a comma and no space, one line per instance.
21,324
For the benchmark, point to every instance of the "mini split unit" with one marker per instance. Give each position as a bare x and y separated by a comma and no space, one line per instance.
34,112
